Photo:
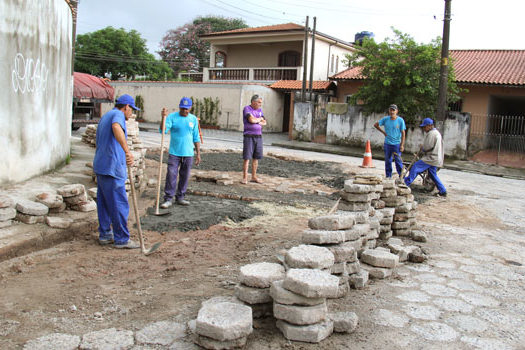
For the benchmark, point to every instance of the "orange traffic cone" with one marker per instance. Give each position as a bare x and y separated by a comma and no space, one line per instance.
367,160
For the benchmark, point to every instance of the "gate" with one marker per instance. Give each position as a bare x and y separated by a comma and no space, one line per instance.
499,133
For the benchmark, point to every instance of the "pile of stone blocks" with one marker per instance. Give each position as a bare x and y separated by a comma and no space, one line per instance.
385,227
76,198
223,325
344,234
359,193
7,210
397,197
30,212
254,286
300,304
135,146
379,263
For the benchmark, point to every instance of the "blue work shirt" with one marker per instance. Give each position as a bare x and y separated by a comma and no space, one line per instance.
393,128
184,132
110,158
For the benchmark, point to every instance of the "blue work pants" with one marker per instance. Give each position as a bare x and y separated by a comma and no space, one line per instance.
389,152
182,167
419,167
112,208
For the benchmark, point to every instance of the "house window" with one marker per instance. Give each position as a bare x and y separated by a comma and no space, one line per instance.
456,106
220,59
347,98
332,64
289,59
336,64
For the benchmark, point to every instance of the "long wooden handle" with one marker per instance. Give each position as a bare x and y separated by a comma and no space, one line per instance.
160,163
136,208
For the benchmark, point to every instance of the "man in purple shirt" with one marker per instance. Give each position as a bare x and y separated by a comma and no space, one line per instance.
252,138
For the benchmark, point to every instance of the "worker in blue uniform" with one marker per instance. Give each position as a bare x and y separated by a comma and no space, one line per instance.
111,157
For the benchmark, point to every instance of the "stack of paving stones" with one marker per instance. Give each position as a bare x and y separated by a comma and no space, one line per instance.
300,302
76,198
344,234
30,212
56,204
403,211
405,253
7,210
359,193
223,325
254,286
379,263
385,227
135,146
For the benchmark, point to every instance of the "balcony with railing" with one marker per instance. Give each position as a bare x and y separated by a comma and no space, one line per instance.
259,74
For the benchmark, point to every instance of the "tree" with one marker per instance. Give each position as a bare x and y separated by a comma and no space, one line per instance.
403,72
117,53
183,49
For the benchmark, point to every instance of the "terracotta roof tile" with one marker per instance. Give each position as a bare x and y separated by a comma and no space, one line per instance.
353,73
273,28
474,66
489,66
318,85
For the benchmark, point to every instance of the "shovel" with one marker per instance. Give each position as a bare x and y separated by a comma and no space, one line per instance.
157,211
137,217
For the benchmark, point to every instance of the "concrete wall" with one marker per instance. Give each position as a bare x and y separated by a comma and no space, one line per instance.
354,128
36,85
302,121
232,97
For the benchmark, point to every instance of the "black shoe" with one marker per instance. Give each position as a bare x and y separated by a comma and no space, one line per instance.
444,194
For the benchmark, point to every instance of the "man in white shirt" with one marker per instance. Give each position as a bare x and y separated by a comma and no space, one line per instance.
432,158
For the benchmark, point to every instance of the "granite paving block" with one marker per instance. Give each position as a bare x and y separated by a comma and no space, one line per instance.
71,190
210,343
30,219
6,201
90,205
300,315
58,222
377,272
357,197
161,333
7,213
80,198
284,296
224,321
50,200
28,207
261,275
343,253
323,236
358,280
347,206
394,201
107,339
251,295
311,283
396,225
311,334
309,256
379,258
344,322
331,222
54,341
353,267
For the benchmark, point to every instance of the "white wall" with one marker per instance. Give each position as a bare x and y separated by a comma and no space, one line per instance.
354,128
37,87
232,97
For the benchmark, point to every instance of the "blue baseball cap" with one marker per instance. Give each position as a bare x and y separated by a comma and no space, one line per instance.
427,121
127,100
185,102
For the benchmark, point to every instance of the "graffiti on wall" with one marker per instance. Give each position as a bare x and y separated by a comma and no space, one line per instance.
28,75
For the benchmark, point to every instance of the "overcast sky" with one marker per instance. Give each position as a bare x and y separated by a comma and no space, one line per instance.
476,24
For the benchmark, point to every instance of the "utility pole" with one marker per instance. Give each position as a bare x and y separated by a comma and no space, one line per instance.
443,73
312,61
305,59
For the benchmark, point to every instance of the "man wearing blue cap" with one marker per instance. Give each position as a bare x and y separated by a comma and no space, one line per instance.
184,146
432,158
394,139
111,157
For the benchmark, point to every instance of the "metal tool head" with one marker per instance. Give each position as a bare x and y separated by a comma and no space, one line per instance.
153,248
153,211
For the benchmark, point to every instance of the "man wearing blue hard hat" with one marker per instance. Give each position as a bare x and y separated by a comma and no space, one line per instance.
111,157
432,158
184,150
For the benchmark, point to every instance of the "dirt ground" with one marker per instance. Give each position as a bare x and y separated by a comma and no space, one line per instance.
79,286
